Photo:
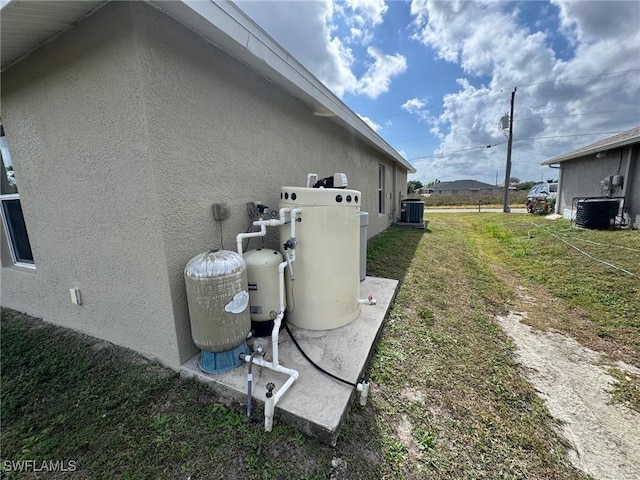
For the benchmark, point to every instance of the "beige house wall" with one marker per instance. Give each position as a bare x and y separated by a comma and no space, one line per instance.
75,123
124,131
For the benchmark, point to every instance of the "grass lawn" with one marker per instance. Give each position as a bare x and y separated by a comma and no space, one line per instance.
447,399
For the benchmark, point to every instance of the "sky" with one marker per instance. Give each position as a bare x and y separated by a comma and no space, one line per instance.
434,79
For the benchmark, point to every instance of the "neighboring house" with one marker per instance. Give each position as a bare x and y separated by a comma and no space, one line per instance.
607,168
461,187
102,103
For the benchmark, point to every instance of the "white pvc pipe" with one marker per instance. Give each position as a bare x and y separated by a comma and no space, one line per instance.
309,177
270,403
284,388
241,236
281,289
269,410
363,388
274,365
261,362
367,301
274,339
263,224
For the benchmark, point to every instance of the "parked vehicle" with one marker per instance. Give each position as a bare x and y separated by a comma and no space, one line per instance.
542,198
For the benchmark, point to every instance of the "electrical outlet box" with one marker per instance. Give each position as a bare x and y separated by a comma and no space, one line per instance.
76,299
221,211
617,180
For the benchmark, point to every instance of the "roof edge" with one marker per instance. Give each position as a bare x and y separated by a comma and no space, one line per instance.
597,147
227,27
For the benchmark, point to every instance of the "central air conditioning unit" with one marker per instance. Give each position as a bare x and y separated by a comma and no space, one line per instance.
411,213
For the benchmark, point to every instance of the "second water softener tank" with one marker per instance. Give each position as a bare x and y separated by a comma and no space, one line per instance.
264,292
325,289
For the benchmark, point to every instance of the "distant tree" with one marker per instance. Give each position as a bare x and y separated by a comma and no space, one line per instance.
551,180
414,185
435,182
526,185
514,180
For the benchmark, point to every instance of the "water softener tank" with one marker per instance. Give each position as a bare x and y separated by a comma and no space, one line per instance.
216,283
324,292
262,272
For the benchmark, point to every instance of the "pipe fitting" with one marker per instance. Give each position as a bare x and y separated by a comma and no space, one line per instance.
367,301
363,388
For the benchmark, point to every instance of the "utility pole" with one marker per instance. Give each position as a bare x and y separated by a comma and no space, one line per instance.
507,173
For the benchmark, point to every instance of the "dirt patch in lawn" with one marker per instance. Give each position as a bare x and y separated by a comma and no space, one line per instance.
576,383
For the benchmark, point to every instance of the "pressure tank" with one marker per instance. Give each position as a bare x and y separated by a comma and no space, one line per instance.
324,292
217,294
264,294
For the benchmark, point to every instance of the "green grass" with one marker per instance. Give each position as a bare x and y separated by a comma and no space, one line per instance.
542,251
447,399
444,370
70,397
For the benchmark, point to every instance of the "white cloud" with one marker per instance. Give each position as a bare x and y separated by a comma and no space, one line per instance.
373,125
368,12
418,107
356,33
413,105
593,21
377,78
308,30
499,53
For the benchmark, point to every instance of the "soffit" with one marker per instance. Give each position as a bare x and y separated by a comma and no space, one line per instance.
27,25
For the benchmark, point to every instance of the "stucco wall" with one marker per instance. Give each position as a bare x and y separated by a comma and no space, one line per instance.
124,131
220,133
581,178
632,189
74,119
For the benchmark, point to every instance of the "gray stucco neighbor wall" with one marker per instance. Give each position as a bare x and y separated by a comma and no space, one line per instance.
581,178
123,133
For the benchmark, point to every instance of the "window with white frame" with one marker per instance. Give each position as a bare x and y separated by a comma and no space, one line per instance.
381,192
12,218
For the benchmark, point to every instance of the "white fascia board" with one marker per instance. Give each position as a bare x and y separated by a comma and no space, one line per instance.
592,151
226,26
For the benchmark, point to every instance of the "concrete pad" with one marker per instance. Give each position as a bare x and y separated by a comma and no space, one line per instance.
423,225
316,404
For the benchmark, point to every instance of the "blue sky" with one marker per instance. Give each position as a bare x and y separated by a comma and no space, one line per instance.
434,78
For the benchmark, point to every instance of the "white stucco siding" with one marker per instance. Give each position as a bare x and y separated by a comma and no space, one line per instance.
74,118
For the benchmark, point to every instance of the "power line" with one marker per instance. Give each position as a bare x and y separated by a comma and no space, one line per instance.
580,78
578,114
573,135
457,151
515,141
413,139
